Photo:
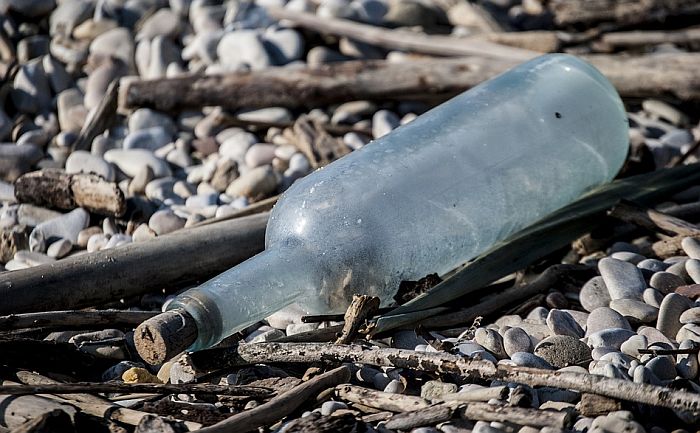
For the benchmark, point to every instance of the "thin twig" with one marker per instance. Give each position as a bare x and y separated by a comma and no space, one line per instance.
75,319
120,387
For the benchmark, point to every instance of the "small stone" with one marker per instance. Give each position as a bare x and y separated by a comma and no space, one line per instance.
269,115
525,359
31,92
556,299
138,184
623,280
97,242
33,258
395,387
298,328
150,138
670,312
117,43
605,318
594,294
654,336
627,256
243,48
410,14
145,118
283,45
653,265
691,315
664,111
662,367
139,375
85,234
66,226
687,364
516,340
612,337
80,161
328,407
164,22
131,161
665,282
260,154
653,297
632,345
562,351
261,336
116,371
165,221
491,341
143,233
643,374
59,249
691,246
635,311
434,389
562,323
16,160
67,15
692,267
257,182
225,173
383,122
407,339
678,269
98,81
689,331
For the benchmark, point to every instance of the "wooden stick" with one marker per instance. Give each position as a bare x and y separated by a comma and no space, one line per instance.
57,189
653,220
92,404
171,261
362,306
517,415
426,416
121,387
379,399
401,39
160,338
255,208
446,363
648,37
102,118
621,12
280,406
437,79
482,394
75,319
224,118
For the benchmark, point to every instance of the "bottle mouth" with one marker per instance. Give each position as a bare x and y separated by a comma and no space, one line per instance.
207,315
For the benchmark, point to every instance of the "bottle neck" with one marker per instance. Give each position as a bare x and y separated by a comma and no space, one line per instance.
246,293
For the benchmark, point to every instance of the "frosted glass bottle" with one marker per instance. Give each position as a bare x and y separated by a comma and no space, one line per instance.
427,197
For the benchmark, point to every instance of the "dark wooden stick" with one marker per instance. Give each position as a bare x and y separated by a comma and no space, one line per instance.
160,338
653,220
120,387
362,306
103,118
660,352
445,363
57,189
75,319
401,39
436,79
280,406
171,261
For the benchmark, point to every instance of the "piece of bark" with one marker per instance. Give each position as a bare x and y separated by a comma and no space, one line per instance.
172,261
57,189
103,118
75,319
691,291
164,336
665,248
671,74
280,406
314,142
13,239
621,12
246,354
361,307
379,399
593,405
401,39
653,220
92,404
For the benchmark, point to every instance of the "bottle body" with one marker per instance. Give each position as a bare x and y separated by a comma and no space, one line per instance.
445,187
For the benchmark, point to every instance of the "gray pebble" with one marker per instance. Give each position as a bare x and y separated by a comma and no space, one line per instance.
269,114
283,45
670,311
689,331
66,226
165,221
98,81
516,340
328,407
526,359
80,161
151,138
243,48
664,111
383,122
491,341
116,43
643,374
635,311
164,22
67,15
562,351
145,118
654,336
618,359
594,294
605,318
562,323
260,154
256,182
59,249
406,339
687,364
665,282
613,337
653,265
538,315
692,267
623,280
31,92
691,246
653,297
434,389
395,387
662,367
627,256
131,161
691,315
632,345
17,160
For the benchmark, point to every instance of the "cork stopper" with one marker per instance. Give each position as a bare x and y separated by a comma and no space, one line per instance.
164,336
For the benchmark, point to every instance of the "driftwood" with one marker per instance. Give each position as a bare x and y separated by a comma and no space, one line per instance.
362,307
641,38
246,354
647,76
516,415
168,262
17,410
92,404
57,189
622,12
653,220
56,421
102,118
121,387
430,415
380,400
75,319
280,406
